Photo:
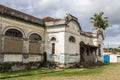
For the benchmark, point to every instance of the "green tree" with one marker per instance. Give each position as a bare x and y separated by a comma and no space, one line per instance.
119,47
100,23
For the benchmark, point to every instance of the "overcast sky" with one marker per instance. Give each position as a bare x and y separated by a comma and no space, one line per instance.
82,9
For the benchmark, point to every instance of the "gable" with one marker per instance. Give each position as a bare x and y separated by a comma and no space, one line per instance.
74,26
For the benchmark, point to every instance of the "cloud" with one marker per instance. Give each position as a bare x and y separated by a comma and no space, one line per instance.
113,36
112,41
113,31
82,9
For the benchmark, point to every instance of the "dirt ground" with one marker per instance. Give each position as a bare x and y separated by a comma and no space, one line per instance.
109,73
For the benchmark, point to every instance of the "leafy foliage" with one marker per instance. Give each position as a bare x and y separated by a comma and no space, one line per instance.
99,22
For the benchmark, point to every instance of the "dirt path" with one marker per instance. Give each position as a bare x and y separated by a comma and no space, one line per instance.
109,73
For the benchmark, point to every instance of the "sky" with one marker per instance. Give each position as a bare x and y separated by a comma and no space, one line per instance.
82,9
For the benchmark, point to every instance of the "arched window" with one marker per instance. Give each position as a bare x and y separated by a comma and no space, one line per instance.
13,33
53,39
53,45
71,39
35,37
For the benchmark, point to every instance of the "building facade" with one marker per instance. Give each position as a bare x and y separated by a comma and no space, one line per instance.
67,45
24,39
21,37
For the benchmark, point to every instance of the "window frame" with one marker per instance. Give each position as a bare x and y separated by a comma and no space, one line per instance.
33,35
14,33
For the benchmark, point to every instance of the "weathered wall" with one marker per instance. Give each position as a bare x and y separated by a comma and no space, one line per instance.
1,56
16,46
35,58
72,49
12,45
59,34
25,28
12,58
65,51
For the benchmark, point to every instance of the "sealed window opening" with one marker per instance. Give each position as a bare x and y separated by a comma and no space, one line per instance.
53,48
71,39
13,33
35,37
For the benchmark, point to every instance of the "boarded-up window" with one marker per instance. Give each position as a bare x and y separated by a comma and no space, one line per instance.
13,45
34,47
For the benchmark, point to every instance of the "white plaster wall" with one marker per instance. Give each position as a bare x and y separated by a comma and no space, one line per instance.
71,48
53,23
95,42
73,27
12,57
113,58
66,51
72,58
59,43
107,53
55,29
59,34
86,40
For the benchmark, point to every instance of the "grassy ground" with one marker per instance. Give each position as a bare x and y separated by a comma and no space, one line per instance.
107,72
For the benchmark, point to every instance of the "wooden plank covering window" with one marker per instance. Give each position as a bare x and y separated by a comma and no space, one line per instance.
12,45
34,47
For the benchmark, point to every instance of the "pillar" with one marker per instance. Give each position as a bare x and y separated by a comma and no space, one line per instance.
1,55
25,51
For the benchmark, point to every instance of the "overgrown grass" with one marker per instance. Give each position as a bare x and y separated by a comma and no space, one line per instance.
32,71
65,72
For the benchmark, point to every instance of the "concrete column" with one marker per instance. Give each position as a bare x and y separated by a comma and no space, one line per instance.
26,46
1,55
25,51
